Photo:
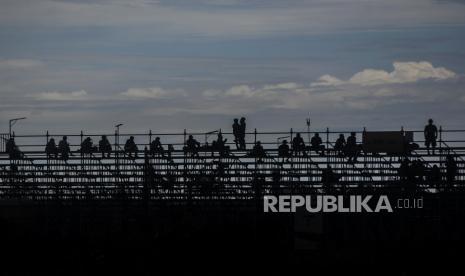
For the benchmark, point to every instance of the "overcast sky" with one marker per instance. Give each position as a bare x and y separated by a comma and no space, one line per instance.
167,65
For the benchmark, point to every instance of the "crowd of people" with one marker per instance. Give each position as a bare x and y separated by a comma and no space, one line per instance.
409,170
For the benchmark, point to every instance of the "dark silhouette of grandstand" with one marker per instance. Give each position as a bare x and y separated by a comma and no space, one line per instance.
144,168
200,198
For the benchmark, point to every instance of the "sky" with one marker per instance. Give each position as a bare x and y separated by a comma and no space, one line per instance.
169,65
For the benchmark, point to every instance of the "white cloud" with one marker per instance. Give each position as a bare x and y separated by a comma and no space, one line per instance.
19,63
327,80
63,96
404,72
148,93
264,92
152,93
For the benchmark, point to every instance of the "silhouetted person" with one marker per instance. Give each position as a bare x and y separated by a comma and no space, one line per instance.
258,151
284,150
298,145
237,133
340,144
64,149
328,176
131,147
156,147
352,147
242,129
192,146
51,149
86,146
104,146
451,169
431,134
12,149
220,144
317,144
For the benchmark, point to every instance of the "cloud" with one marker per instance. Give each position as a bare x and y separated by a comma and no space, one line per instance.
152,93
263,91
19,63
327,80
63,96
404,72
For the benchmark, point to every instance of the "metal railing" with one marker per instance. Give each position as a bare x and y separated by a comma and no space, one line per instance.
177,173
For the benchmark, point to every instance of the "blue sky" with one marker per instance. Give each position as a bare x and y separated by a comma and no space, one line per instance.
167,65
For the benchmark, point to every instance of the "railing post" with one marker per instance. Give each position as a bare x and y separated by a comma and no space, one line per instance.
327,138
255,136
116,150
364,153
185,133
150,137
46,137
440,140
327,146
82,154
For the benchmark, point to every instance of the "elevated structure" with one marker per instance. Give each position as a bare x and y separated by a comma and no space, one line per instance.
236,174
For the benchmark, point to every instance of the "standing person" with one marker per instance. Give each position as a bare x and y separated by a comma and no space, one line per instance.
242,129
431,134
104,146
237,133
64,149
